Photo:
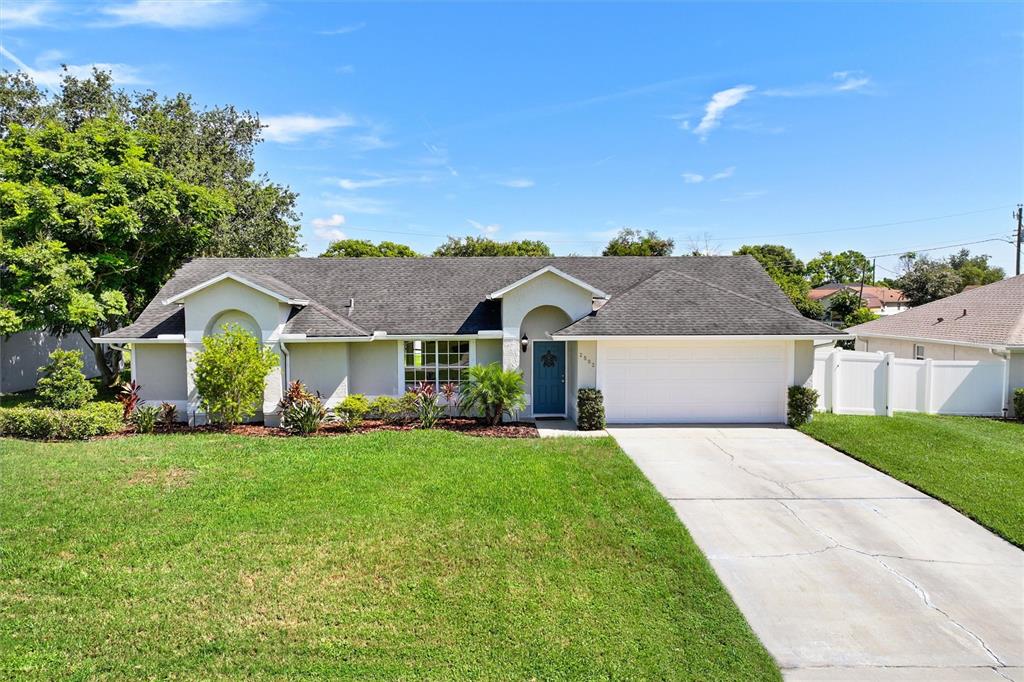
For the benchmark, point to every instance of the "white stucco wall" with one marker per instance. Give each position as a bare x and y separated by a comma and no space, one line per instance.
546,290
374,369
322,367
160,369
803,363
488,351
204,306
933,350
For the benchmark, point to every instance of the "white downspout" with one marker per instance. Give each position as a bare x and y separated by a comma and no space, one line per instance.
287,365
1005,355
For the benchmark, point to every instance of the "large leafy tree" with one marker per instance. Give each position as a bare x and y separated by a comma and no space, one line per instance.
774,257
103,194
845,267
364,248
485,246
974,269
927,280
91,228
211,148
787,271
630,242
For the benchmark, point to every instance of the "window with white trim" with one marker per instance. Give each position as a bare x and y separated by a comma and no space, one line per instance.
918,352
436,362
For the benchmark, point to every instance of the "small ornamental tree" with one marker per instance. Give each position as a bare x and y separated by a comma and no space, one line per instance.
230,372
63,384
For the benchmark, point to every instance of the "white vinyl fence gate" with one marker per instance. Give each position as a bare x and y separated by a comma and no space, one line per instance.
853,382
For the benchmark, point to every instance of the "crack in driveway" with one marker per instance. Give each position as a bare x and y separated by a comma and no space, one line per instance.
921,592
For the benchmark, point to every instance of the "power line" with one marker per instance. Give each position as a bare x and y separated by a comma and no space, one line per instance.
939,248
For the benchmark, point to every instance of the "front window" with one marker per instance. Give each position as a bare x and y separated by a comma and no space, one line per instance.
435,362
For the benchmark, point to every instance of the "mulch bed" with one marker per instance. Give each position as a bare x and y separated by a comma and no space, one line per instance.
465,425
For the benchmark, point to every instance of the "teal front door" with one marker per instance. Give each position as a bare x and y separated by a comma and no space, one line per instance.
549,377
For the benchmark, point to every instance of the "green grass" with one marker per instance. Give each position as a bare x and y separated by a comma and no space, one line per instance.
387,555
975,465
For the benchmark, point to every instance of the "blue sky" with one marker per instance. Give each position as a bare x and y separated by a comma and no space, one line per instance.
819,126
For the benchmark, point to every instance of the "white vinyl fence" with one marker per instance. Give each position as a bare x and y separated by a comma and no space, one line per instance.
852,382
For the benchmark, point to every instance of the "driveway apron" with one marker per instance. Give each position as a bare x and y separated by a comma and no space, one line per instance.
843,572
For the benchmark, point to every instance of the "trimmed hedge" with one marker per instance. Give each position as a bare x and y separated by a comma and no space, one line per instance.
47,423
1018,403
802,403
590,409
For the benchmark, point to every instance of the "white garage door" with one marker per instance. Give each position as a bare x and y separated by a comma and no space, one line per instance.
694,382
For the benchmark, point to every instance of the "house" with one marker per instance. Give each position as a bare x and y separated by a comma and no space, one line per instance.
673,339
22,354
879,300
981,323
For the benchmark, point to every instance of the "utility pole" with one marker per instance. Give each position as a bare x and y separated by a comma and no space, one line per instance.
1018,216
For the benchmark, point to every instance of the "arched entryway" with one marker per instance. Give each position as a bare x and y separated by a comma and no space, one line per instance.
543,362
242,319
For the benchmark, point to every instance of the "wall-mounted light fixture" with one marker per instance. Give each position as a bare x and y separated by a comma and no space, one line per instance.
524,343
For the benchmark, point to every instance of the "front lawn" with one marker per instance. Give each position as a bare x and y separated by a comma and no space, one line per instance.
975,465
387,555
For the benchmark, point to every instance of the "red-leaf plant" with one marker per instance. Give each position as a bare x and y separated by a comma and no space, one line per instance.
129,396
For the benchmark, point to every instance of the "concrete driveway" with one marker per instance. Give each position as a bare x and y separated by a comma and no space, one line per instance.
843,572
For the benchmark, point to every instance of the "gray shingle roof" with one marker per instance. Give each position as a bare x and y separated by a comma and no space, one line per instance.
671,302
992,314
448,295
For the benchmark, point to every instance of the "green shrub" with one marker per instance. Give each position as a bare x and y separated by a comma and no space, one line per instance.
304,417
63,385
802,403
393,410
47,423
590,409
427,409
492,392
145,418
1018,403
352,410
230,373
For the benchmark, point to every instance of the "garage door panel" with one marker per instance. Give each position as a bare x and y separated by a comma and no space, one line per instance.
691,383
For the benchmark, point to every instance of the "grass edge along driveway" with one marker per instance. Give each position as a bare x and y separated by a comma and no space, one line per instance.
973,464
387,555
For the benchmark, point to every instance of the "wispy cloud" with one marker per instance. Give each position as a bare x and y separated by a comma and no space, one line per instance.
358,204
329,228
839,82
695,178
48,71
345,69
745,196
377,180
14,14
342,30
517,183
851,80
178,13
716,107
485,229
369,141
294,127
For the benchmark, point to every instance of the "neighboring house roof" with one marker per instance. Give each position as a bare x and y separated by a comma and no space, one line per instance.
449,295
873,296
990,315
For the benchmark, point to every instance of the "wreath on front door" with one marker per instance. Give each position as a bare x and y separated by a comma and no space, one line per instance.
548,359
